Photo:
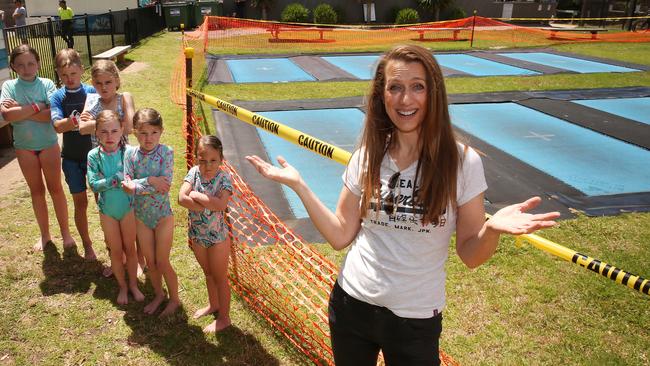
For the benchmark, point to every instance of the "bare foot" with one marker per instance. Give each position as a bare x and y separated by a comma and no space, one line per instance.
38,247
107,271
153,305
123,296
69,243
89,252
137,295
170,308
217,325
204,311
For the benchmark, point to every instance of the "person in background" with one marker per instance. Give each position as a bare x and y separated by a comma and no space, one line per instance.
20,20
66,14
20,14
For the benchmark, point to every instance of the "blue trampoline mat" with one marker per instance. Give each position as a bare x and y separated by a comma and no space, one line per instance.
478,66
636,109
339,127
267,70
591,162
363,67
566,62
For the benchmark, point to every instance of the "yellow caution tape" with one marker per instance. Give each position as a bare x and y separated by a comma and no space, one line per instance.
292,135
616,274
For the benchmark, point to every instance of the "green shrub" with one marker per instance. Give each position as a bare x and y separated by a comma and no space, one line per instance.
407,16
324,14
295,13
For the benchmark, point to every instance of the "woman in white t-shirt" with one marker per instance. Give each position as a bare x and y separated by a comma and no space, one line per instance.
407,188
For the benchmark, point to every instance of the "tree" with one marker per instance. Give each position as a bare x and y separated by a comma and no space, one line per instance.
435,6
264,5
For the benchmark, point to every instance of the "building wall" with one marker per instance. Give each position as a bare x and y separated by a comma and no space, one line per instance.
520,9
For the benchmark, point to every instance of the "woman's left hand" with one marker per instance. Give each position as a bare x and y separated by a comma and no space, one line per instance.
515,220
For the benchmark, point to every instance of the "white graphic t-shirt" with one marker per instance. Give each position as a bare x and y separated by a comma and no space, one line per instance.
394,261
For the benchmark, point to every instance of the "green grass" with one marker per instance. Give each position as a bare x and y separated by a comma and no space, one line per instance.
522,307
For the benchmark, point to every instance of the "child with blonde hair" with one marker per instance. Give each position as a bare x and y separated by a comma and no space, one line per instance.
148,169
105,176
206,191
106,80
25,105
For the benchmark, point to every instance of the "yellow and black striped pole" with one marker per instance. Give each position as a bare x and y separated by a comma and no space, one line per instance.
342,156
292,135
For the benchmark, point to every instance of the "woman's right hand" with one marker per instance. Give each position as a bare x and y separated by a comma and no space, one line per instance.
287,174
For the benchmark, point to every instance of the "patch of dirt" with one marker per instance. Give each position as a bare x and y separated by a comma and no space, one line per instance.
134,67
10,174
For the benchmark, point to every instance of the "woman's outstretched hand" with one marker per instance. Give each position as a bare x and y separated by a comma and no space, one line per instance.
515,220
287,174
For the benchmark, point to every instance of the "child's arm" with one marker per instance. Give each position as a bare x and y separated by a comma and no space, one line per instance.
43,116
128,106
96,180
163,182
14,112
212,203
60,122
86,123
185,200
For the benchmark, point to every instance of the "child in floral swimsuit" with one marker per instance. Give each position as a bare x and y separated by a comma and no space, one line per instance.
205,192
148,169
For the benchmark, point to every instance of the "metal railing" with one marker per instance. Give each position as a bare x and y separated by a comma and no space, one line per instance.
92,35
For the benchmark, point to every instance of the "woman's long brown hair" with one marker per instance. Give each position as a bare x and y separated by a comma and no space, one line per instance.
438,161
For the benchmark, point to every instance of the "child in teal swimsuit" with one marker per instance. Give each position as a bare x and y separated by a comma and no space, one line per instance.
205,192
149,169
25,105
105,176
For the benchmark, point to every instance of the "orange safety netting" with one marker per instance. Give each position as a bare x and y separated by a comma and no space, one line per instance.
284,280
223,35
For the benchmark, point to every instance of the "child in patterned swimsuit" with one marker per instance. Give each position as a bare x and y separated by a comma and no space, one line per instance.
105,175
148,169
205,192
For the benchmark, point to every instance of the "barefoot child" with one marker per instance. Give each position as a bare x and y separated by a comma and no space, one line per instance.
106,80
205,192
148,169
105,175
66,103
25,104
